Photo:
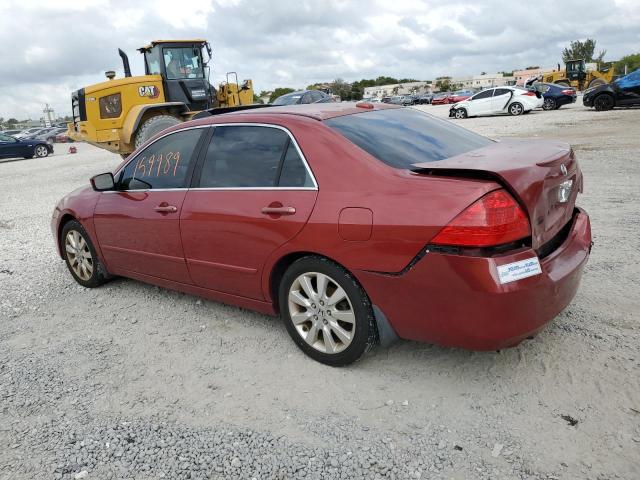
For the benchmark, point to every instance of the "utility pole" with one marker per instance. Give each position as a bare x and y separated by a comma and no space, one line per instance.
48,111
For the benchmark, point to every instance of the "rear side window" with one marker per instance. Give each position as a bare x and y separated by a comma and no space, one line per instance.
501,91
252,157
163,164
402,137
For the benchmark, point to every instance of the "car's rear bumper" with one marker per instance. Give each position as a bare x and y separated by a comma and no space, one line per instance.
458,301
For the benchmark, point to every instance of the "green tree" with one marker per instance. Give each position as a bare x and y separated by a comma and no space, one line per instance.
278,92
631,61
582,50
443,84
11,122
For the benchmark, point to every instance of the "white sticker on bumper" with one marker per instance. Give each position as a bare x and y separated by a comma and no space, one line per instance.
519,270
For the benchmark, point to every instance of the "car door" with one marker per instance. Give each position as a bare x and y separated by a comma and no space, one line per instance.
500,100
252,192
9,147
138,224
480,103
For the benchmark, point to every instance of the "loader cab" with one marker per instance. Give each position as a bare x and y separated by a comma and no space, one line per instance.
576,70
182,65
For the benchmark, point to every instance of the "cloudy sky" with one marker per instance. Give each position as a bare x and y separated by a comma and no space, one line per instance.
51,47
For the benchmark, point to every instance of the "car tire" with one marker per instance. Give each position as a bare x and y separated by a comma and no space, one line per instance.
41,151
549,104
154,125
81,257
461,113
516,109
324,308
604,102
596,82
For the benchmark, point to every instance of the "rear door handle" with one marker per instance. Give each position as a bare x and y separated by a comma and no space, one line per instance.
278,210
166,209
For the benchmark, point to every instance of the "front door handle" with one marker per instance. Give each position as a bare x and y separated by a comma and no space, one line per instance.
278,210
166,209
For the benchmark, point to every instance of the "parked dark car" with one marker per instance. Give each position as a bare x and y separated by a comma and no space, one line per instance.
623,92
48,134
424,99
303,96
11,147
554,95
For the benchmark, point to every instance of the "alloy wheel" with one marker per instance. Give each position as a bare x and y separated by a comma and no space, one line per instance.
460,113
322,312
41,151
516,109
79,255
549,104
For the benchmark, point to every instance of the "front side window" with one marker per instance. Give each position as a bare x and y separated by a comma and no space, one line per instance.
163,164
252,157
7,138
183,62
403,137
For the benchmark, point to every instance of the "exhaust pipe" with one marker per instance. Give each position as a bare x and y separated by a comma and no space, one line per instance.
125,63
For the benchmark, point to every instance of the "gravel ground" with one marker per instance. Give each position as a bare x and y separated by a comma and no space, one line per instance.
133,381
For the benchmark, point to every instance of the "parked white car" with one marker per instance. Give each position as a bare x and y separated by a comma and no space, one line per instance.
493,101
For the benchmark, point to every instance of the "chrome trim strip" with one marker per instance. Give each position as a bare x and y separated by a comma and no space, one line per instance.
234,124
221,266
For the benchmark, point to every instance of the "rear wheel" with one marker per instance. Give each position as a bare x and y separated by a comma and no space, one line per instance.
461,113
549,104
154,125
326,311
604,102
41,151
516,109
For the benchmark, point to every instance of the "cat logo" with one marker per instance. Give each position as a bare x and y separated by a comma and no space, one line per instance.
150,91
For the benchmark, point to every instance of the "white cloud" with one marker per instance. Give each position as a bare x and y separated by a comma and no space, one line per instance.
54,47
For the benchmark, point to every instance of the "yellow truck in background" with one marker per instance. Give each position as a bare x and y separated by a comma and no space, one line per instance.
580,75
121,114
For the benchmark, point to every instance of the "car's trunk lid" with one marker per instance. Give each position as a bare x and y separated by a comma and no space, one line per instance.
533,171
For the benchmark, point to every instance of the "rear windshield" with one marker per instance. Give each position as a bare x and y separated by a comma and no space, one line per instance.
404,136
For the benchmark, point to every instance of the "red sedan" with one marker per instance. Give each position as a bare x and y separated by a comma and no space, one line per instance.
441,98
356,223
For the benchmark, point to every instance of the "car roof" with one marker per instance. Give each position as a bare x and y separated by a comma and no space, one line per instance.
317,111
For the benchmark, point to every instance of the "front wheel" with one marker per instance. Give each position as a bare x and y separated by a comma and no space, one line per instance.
80,256
326,312
516,109
604,102
549,104
461,113
154,125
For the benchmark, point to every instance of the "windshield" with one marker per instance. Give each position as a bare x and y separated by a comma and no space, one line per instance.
404,136
288,99
182,62
630,80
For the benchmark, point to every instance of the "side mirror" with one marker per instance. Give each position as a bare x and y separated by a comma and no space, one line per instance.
103,182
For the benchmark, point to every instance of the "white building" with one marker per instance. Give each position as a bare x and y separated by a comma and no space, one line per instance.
380,91
487,80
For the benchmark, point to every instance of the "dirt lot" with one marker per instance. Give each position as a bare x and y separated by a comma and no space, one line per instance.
133,381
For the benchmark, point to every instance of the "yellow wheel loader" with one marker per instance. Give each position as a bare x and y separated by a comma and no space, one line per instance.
121,114
579,75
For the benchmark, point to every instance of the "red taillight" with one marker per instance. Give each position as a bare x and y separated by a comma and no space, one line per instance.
529,93
495,219
568,92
